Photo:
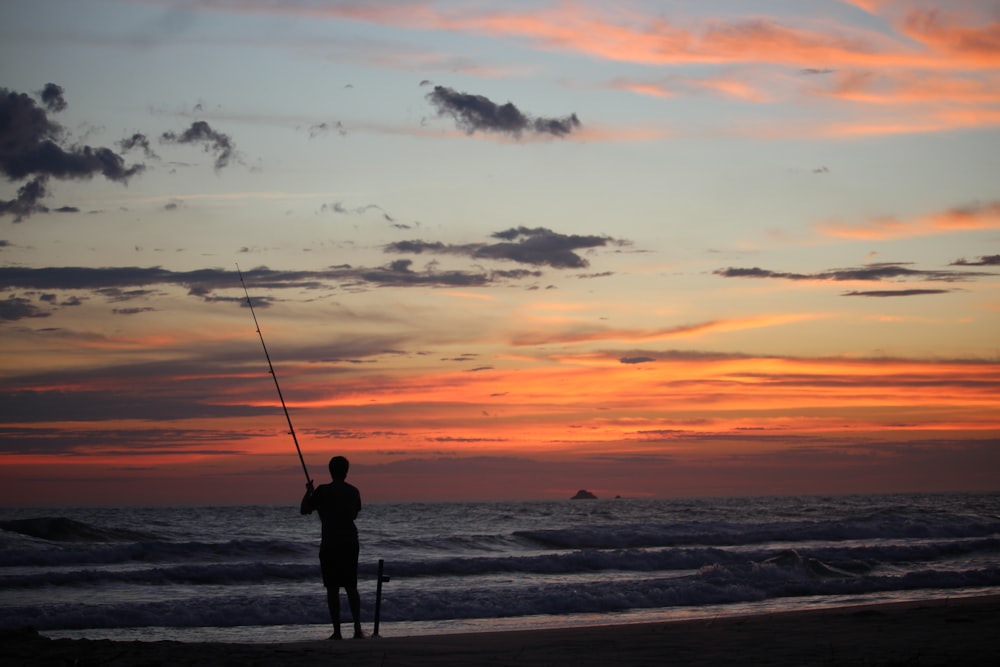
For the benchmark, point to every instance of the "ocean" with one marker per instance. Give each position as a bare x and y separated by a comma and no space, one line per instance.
251,574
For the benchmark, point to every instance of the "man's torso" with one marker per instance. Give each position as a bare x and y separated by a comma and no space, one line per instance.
338,503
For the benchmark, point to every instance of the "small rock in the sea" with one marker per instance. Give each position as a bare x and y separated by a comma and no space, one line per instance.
584,494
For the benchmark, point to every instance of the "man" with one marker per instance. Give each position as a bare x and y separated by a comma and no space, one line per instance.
338,504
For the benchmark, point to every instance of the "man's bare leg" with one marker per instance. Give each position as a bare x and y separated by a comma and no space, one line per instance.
354,601
333,604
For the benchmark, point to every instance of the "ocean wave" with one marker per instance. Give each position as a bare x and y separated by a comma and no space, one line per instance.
152,552
61,529
231,566
880,525
828,560
216,575
718,584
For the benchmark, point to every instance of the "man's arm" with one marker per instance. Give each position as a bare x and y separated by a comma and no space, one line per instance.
307,506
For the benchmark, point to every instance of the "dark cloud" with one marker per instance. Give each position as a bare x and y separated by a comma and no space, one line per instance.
536,246
338,207
143,401
31,146
636,360
515,274
899,292
399,273
319,129
418,247
118,284
138,140
645,356
212,141
28,200
84,162
18,308
474,113
871,272
335,207
541,246
131,311
23,126
52,97
117,294
104,278
984,260
813,71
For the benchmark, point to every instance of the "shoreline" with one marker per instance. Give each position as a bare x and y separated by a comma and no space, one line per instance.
958,631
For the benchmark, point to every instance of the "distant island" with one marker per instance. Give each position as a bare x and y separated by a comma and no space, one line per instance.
584,494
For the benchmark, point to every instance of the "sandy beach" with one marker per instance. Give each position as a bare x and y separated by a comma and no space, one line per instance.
960,631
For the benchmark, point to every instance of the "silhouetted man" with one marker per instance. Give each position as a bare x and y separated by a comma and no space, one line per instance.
338,504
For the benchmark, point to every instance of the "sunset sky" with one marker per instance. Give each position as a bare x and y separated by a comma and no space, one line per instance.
498,249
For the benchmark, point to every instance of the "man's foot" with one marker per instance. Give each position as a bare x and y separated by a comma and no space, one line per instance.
359,634
336,635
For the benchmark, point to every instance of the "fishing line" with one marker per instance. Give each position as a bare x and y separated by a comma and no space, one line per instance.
291,429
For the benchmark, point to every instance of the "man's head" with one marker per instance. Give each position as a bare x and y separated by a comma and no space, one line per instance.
338,468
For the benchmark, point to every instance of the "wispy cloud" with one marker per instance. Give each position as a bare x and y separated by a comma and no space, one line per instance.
586,334
976,217
212,141
945,40
936,66
530,246
898,292
870,273
983,260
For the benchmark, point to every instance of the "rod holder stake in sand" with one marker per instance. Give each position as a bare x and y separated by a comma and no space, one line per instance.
378,594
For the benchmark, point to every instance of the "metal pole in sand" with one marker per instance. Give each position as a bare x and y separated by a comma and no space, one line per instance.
378,595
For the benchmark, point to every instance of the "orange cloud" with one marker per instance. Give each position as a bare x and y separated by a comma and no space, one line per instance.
909,123
730,86
893,67
584,334
870,6
649,39
973,218
736,88
599,133
603,404
976,46
643,88
908,87
563,410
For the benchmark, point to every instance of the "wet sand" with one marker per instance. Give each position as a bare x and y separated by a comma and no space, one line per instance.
959,631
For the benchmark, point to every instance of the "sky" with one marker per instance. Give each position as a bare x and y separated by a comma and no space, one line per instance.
498,250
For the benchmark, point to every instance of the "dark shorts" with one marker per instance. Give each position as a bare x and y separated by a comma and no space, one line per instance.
340,566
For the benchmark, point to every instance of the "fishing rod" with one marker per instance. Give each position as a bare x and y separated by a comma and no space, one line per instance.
291,429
